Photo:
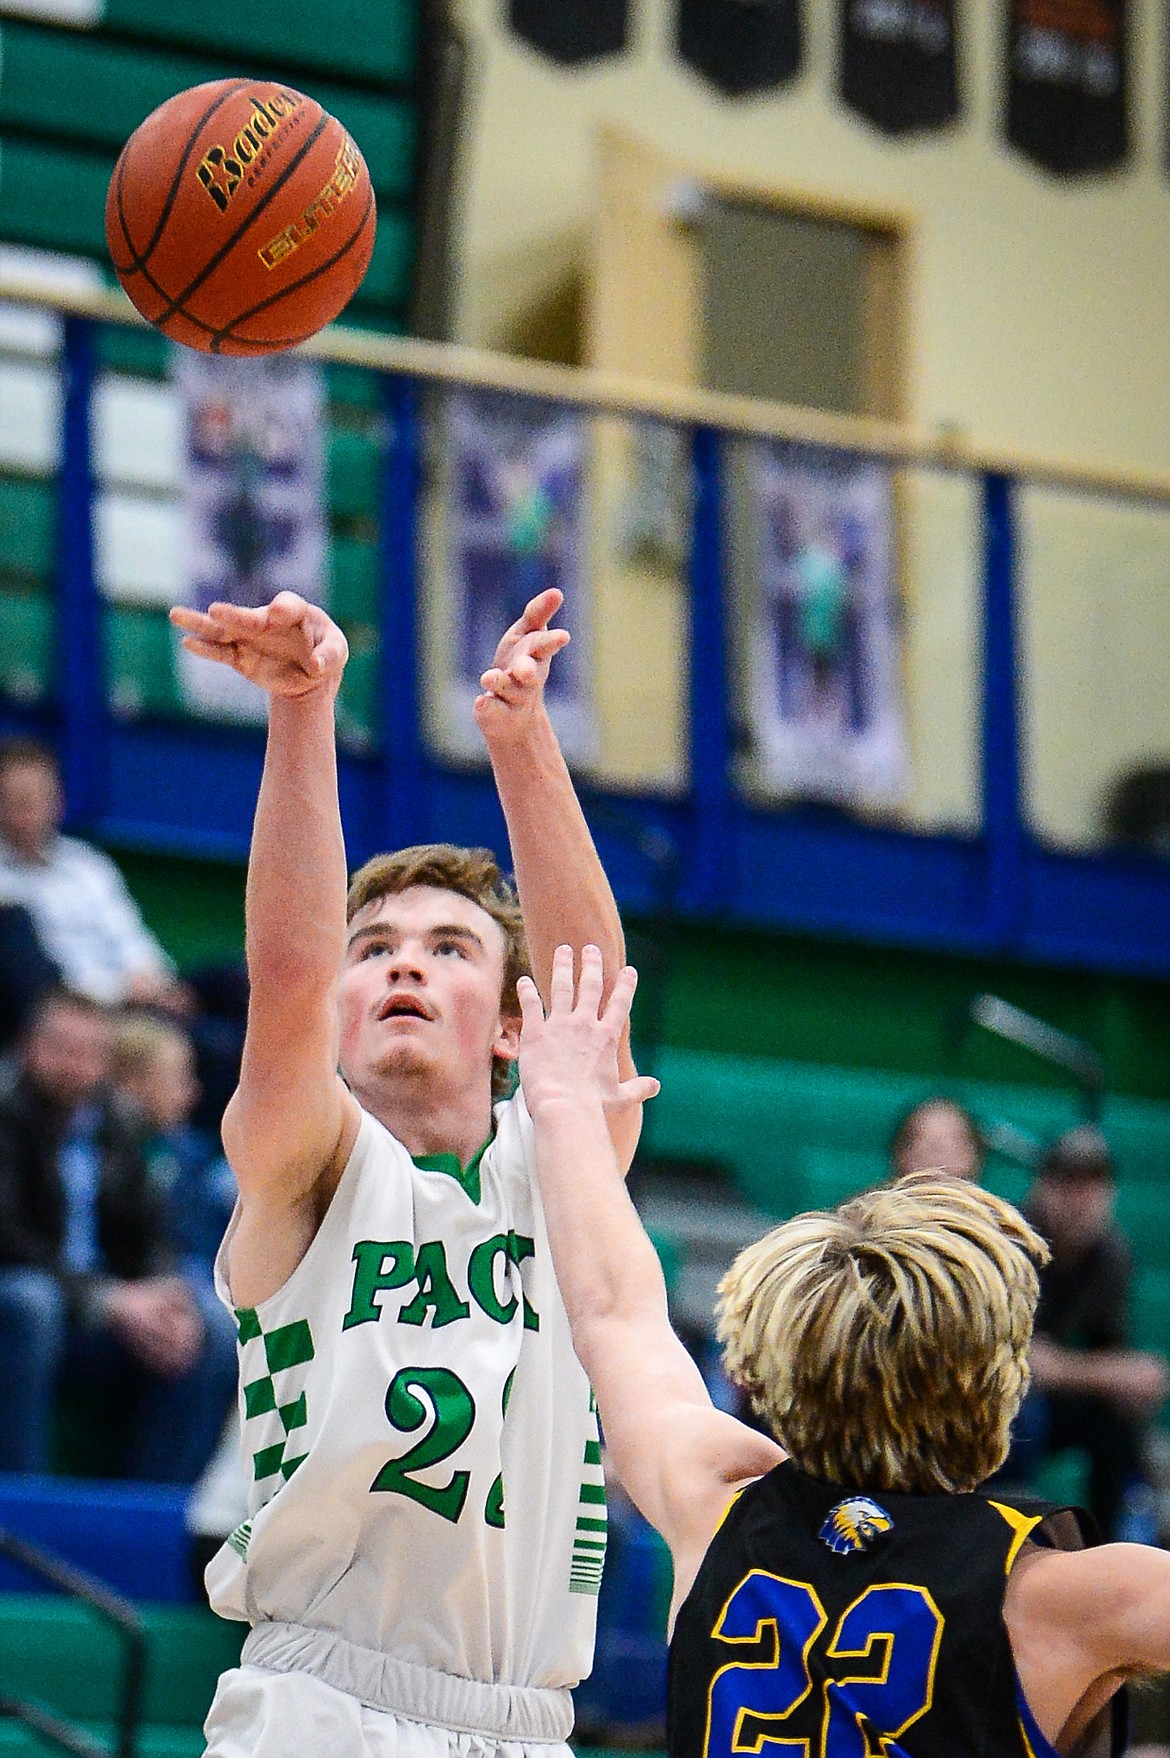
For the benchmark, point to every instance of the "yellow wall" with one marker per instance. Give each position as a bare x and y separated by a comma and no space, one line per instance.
1039,319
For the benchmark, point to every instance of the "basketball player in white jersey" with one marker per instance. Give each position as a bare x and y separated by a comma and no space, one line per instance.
427,1523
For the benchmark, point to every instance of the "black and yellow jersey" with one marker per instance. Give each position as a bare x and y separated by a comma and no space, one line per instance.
824,1623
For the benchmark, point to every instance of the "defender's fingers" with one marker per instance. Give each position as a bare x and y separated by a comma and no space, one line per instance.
621,999
560,999
591,981
287,609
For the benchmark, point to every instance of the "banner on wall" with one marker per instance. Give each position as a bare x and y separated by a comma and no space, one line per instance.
512,518
821,699
253,500
898,62
741,46
571,31
1067,82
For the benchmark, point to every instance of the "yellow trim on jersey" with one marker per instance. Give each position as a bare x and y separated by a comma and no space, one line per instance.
732,1502
1021,1525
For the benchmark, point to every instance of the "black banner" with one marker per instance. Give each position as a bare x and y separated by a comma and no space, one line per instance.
571,31
741,46
1067,80
898,63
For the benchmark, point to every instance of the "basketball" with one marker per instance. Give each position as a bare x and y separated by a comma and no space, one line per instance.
240,217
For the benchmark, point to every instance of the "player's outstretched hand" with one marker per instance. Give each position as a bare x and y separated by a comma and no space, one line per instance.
289,647
570,1054
513,685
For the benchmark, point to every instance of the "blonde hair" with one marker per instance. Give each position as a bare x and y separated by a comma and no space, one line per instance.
138,1038
469,872
885,1342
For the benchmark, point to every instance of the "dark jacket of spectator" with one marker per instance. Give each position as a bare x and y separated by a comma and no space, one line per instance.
130,1223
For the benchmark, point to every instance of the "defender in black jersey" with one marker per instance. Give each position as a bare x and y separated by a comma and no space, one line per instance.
859,1598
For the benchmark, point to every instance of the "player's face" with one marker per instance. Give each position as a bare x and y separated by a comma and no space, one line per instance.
419,995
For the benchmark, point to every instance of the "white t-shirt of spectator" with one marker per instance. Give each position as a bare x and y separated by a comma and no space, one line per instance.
84,916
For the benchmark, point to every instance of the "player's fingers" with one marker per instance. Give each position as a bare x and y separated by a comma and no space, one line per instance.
287,609
546,642
539,609
639,1089
560,995
223,652
193,622
238,617
621,999
590,982
531,1008
523,671
494,682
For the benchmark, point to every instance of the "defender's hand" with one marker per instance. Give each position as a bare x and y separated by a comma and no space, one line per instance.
288,647
513,685
572,1052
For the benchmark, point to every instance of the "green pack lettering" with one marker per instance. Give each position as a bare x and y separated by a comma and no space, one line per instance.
436,1292
380,1264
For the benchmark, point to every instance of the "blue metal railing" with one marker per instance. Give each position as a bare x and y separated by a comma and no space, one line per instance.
190,787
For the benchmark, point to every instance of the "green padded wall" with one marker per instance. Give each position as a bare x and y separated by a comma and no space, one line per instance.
70,98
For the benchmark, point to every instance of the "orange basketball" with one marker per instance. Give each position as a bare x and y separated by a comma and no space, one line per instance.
240,217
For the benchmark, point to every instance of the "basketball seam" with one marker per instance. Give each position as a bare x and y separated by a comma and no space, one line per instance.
295,286
177,301
139,259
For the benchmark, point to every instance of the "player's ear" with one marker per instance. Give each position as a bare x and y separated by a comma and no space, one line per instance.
507,1044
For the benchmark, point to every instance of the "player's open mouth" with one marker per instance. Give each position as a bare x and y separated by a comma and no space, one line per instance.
403,1007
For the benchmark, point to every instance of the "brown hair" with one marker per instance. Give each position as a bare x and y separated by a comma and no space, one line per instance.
886,1341
469,872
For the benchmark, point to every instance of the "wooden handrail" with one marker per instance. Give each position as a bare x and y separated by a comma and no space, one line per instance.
614,394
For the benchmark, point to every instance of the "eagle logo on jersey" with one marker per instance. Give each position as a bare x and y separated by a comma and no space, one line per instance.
854,1524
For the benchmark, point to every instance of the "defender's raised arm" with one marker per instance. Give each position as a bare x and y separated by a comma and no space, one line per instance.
678,1457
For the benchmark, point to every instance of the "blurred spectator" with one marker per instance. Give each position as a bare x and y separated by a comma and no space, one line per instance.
89,932
86,920
938,1134
1090,1389
89,1299
155,1077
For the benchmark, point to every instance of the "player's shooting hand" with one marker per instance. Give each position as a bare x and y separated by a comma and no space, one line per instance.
513,685
288,647
570,1054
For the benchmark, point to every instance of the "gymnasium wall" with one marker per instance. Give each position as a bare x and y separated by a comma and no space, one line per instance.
1038,321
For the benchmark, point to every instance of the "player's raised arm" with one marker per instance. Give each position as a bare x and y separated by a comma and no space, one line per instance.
678,1457
564,893
285,1125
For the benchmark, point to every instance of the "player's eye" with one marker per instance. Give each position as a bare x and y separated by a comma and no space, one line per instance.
455,946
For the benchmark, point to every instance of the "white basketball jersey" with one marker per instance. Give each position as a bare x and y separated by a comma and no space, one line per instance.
422,1440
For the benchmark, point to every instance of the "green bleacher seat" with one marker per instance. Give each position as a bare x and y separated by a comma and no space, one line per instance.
353,591
354,474
374,38
142,353
831,1175
54,197
391,267
349,387
358,699
1151,1309
96,92
27,642
28,527
1143,1212
140,663
58,1652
